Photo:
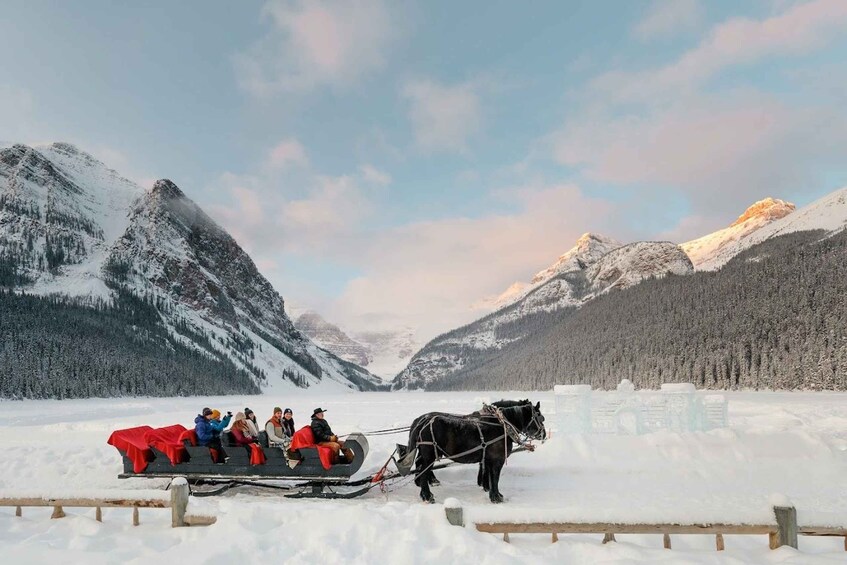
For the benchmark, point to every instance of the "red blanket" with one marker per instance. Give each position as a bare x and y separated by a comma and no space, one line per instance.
257,456
304,438
131,441
190,435
167,440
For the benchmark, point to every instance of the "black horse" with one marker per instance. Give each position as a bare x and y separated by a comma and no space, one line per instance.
414,432
486,438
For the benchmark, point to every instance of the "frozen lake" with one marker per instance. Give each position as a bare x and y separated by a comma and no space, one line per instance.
793,444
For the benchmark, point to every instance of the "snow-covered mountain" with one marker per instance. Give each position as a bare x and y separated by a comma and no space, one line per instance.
71,226
330,337
389,351
384,353
596,264
712,251
587,250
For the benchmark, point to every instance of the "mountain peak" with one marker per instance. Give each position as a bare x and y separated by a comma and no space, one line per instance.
769,209
167,189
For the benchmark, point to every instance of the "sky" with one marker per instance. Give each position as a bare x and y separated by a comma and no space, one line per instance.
391,164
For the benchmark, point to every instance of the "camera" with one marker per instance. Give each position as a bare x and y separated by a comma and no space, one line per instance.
228,413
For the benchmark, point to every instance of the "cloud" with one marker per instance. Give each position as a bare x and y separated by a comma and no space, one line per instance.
373,175
668,17
428,274
316,43
287,152
738,41
443,117
720,147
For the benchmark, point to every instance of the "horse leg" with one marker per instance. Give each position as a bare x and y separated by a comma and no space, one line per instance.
482,477
426,457
494,494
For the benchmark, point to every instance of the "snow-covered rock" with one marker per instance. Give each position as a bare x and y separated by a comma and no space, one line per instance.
764,220
631,264
332,338
713,250
70,225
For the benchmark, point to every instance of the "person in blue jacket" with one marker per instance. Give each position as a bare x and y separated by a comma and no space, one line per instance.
209,426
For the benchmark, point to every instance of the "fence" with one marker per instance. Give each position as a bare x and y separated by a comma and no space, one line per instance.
177,500
783,531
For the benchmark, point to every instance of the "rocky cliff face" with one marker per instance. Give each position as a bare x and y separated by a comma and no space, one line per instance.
330,337
71,226
629,265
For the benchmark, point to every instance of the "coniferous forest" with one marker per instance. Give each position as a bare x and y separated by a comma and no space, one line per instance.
53,347
775,317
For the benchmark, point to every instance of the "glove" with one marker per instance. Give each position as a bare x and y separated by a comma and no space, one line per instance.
333,438
228,413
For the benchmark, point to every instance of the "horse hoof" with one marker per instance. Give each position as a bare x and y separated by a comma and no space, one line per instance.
496,499
435,483
428,499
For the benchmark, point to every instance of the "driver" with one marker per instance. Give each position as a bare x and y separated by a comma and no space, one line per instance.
325,438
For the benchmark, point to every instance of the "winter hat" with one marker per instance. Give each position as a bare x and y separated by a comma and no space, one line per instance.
287,411
247,412
240,416
277,409
216,414
206,411
318,411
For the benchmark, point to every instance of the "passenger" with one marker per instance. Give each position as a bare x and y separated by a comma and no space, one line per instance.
217,424
206,434
288,423
275,431
240,431
325,438
252,425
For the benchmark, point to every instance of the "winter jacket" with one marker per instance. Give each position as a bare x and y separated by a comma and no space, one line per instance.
220,425
240,438
203,428
275,432
288,427
321,430
254,429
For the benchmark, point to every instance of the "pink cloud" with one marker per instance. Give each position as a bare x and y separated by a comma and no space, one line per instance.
800,29
428,274
316,42
287,152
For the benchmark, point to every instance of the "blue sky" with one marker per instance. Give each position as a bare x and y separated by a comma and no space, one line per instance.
392,163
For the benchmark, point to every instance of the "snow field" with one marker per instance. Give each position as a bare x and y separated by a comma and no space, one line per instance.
785,444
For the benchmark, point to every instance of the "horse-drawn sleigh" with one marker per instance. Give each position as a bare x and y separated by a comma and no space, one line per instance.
486,437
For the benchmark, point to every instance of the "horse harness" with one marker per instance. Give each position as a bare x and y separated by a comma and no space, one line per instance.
509,432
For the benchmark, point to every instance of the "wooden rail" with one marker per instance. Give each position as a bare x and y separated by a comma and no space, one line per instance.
177,502
783,531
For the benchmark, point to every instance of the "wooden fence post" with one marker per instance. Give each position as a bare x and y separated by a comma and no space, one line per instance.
18,514
58,512
179,501
609,536
666,541
719,542
135,518
454,512
786,524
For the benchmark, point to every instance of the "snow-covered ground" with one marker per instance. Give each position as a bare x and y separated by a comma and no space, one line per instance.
793,444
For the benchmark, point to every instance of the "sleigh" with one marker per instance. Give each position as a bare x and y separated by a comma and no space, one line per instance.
173,451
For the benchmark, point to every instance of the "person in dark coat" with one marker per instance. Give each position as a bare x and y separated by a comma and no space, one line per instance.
288,423
205,430
325,438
